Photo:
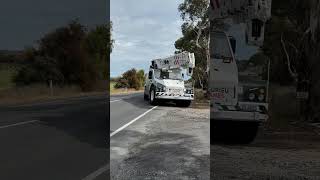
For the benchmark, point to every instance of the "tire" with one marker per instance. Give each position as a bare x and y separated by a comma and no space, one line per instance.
152,95
233,132
249,133
183,103
145,97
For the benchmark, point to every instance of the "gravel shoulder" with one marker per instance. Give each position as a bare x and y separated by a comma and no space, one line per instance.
291,154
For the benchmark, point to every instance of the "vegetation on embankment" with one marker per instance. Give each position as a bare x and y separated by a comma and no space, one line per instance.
129,82
68,60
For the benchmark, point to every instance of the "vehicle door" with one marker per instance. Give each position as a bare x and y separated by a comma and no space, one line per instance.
148,83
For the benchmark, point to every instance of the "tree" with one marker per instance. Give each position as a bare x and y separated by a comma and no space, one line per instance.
131,79
69,55
292,41
141,78
99,44
195,31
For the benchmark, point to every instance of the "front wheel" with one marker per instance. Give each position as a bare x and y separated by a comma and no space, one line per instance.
152,97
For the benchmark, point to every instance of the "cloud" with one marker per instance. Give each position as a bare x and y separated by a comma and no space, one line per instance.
143,31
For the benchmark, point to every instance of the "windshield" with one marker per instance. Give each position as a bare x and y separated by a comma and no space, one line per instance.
220,48
174,74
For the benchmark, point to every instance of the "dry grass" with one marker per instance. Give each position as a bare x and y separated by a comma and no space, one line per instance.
6,75
200,100
35,93
114,91
124,91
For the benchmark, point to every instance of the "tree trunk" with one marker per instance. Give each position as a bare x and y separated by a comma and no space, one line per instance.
313,58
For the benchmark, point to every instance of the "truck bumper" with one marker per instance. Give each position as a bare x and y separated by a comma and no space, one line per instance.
237,115
162,95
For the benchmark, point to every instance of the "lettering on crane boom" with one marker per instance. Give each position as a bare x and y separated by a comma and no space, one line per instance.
174,62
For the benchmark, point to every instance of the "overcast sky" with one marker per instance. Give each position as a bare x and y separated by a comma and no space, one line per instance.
143,30
24,22
147,29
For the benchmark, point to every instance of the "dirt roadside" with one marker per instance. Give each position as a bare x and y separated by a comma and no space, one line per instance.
275,154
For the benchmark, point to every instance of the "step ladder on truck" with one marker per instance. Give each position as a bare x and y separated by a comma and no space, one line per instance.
236,109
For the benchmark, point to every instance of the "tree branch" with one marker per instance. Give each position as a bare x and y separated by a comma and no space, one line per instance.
292,73
199,33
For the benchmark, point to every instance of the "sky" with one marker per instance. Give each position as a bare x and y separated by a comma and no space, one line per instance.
25,22
147,29
143,30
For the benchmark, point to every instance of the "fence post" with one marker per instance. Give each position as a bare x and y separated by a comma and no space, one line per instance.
51,88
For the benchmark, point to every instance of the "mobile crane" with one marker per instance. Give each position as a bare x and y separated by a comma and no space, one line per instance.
165,80
236,109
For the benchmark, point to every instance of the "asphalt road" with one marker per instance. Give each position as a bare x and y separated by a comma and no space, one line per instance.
62,139
68,139
125,108
157,142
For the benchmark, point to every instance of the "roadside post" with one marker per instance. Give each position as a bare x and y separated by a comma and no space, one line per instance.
51,88
302,96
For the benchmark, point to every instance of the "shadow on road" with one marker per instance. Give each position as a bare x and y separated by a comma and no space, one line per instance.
272,139
138,101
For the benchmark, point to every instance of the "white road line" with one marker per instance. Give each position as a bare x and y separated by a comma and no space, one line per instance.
134,120
115,100
97,173
18,124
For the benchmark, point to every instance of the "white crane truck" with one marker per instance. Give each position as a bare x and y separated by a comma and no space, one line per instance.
166,80
236,108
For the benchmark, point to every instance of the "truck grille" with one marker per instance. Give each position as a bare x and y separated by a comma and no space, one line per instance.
175,91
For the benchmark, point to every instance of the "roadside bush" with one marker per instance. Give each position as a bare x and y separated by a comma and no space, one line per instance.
131,79
121,83
141,77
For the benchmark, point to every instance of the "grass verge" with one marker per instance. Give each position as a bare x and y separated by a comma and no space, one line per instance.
39,93
115,91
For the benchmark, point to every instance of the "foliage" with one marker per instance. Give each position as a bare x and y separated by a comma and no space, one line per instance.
141,77
292,43
121,83
195,37
131,79
68,55
99,45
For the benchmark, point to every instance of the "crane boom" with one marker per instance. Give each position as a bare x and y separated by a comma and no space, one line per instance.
254,13
181,60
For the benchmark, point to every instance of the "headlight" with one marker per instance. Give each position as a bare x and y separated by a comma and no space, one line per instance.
240,90
161,88
188,91
261,97
252,96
